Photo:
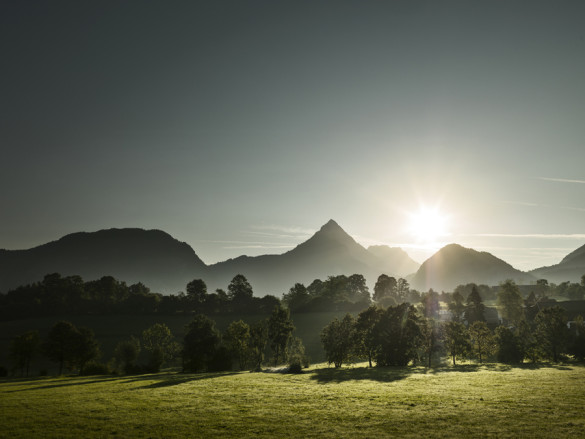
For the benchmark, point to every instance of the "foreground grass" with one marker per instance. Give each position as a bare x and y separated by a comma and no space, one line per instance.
468,401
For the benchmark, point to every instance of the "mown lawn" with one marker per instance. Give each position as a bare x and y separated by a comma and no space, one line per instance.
467,401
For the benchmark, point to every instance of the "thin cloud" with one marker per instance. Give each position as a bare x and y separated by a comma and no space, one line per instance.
288,230
258,246
532,235
562,180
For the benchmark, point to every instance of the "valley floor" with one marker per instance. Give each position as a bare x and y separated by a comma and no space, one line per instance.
467,401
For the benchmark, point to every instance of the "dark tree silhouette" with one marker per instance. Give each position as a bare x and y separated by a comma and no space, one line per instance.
510,303
160,344
551,331
237,339
456,340
481,340
508,346
126,353
365,332
338,339
280,328
200,343
474,309
456,306
258,340
70,346
196,293
398,335
23,348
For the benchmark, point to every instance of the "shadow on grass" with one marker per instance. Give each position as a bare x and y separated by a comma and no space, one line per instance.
175,379
390,374
164,379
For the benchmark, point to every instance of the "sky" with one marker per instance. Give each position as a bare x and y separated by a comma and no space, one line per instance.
241,127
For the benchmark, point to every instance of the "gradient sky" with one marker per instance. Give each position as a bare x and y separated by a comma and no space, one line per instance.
241,127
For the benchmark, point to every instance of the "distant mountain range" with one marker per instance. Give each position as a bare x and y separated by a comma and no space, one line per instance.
166,265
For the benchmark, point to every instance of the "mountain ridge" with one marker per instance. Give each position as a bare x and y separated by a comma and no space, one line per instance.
454,264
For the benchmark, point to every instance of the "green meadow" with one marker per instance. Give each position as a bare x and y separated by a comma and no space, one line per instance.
545,401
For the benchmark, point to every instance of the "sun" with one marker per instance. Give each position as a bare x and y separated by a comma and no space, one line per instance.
428,225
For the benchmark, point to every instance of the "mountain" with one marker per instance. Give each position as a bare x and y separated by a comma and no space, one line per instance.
330,251
454,265
396,258
133,255
571,268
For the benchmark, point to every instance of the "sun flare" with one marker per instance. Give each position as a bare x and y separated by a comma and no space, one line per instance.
428,225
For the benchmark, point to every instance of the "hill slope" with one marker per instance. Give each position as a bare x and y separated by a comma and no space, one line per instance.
571,268
454,265
133,255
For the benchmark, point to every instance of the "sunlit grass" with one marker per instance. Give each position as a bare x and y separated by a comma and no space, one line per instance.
469,401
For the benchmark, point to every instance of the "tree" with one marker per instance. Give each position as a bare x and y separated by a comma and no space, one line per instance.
69,346
474,309
126,353
297,358
508,346
200,343
577,343
23,348
398,335
239,289
196,293
86,348
402,290
430,304
296,298
510,302
258,340
430,338
237,339
481,340
385,290
456,306
338,340
160,344
456,339
551,331
365,324
280,328
357,289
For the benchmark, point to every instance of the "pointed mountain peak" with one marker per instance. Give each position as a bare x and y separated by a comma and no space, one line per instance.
331,225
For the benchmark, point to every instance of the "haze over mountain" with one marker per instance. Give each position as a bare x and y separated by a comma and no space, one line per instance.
152,257
571,268
454,265
330,251
166,265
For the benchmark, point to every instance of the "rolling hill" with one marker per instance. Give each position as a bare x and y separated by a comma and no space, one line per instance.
454,265
152,257
571,268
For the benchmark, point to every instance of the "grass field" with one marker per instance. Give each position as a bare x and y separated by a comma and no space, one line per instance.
467,401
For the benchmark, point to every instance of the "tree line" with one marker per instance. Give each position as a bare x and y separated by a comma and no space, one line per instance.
402,334
203,348
59,295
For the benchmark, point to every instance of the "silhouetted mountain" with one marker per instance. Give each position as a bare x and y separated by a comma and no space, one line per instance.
455,265
395,257
571,268
330,251
133,255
